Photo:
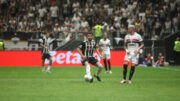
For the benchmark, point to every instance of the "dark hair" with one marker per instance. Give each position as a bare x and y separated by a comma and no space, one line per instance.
89,33
49,32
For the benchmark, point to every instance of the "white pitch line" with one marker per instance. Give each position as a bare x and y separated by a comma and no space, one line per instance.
165,68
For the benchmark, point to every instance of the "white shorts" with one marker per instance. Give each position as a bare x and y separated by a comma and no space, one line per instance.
106,55
132,57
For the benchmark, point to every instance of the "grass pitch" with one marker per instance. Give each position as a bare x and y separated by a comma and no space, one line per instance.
67,84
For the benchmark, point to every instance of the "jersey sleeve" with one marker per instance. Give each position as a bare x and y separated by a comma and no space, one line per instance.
41,40
125,39
52,40
140,38
109,43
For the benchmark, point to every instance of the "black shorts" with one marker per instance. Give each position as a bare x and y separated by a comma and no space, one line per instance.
45,56
91,60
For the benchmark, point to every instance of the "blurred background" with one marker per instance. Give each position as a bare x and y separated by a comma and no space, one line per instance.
23,23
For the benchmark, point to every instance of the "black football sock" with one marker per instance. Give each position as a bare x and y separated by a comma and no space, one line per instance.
131,72
109,63
105,64
125,71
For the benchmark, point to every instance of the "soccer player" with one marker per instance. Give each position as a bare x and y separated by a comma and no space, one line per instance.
45,44
132,44
105,44
86,50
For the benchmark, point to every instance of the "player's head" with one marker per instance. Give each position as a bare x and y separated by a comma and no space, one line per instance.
47,34
83,19
105,35
90,36
177,39
131,29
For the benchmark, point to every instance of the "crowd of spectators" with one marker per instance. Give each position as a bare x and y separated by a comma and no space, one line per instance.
152,18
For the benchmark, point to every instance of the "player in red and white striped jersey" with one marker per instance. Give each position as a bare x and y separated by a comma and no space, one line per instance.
133,42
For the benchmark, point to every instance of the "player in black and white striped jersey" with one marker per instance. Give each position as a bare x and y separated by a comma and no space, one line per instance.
45,44
86,50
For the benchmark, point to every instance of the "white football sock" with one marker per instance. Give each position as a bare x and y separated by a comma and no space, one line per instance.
43,68
99,70
49,67
88,72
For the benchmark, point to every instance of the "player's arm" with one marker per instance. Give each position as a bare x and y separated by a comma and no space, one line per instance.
140,47
80,52
125,47
141,44
43,46
125,43
109,44
100,45
97,50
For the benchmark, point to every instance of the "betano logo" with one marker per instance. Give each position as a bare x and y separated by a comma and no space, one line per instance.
68,57
60,58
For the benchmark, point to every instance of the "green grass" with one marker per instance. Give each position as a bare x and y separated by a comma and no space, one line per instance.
67,84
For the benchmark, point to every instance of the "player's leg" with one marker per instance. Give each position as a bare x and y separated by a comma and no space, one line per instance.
105,64
88,69
134,62
43,68
50,62
43,60
109,63
99,65
49,66
125,66
131,72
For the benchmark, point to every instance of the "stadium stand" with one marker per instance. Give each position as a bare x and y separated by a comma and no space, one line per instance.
69,19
